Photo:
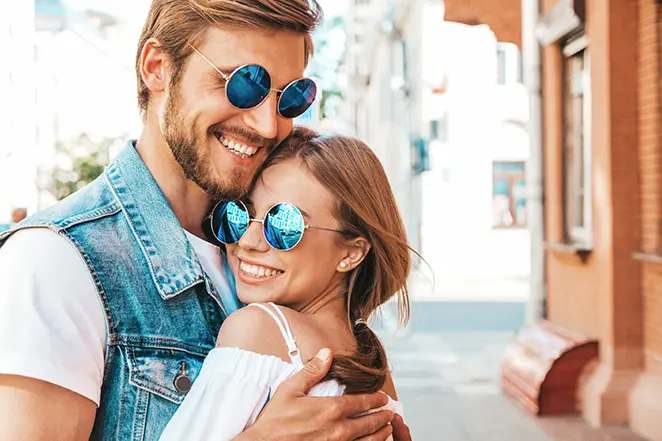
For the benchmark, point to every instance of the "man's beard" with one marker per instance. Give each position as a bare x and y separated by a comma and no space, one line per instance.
190,151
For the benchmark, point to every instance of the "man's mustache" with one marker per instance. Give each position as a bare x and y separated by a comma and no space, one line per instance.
242,133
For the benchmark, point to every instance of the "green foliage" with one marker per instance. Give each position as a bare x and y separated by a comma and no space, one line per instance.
326,63
80,161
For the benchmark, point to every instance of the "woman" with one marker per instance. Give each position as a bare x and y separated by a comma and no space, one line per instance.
317,247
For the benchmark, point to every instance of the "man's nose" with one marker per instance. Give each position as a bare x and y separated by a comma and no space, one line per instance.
263,119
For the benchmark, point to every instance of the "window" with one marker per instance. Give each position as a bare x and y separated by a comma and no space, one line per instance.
508,195
576,143
508,63
501,66
439,129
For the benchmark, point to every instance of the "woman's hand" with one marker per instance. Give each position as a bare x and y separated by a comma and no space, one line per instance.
293,415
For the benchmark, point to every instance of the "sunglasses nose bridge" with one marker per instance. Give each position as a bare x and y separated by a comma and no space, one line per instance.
254,240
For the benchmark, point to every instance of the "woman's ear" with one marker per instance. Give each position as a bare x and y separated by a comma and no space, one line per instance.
357,250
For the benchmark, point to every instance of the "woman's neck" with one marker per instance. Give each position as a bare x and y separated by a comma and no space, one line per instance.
330,301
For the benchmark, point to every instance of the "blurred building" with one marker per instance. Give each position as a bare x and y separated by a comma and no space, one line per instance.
603,169
602,156
474,194
444,107
17,108
383,104
71,73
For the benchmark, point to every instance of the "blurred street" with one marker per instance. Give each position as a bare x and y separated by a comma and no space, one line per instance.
446,367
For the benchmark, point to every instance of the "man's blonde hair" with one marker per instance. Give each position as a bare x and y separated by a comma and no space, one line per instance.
177,22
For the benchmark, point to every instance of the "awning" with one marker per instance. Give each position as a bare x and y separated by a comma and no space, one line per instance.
565,18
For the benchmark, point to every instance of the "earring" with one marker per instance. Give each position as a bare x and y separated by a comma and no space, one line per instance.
343,265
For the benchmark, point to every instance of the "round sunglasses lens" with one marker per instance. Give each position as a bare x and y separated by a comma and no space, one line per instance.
229,222
249,86
297,98
283,226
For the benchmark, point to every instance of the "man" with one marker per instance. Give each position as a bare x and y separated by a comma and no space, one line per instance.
110,300
18,214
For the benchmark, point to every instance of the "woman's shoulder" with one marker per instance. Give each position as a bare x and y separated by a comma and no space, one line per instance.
252,328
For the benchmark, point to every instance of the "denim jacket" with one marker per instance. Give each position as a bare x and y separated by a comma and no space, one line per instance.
162,311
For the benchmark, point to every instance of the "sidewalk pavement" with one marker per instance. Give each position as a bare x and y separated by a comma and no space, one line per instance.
449,385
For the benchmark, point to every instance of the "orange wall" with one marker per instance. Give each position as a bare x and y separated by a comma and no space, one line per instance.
504,17
650,169
599,297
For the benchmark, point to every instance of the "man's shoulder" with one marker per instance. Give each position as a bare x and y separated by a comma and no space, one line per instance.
92,202
40,251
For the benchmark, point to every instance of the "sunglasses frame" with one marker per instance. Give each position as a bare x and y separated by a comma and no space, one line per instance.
261,221
279,92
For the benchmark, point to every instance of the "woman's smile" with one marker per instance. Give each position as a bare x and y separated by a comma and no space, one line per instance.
253,273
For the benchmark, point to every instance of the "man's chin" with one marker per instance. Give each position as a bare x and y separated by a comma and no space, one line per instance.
227,191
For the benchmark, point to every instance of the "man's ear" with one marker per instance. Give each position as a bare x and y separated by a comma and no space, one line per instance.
357,250
153,66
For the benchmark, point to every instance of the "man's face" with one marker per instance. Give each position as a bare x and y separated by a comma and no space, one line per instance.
198,121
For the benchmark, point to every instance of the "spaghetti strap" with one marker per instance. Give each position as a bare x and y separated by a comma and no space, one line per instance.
284,326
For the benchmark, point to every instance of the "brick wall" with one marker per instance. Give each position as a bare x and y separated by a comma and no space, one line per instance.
650,169
578,292
649,127
601,297
504,17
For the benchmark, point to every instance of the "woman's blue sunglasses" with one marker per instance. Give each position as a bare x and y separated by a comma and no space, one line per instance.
248,86
283,225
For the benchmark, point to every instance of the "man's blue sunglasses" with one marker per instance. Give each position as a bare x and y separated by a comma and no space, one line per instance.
283,225
248,86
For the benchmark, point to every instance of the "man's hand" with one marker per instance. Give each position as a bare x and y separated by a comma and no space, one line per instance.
292,415
39,411
400,429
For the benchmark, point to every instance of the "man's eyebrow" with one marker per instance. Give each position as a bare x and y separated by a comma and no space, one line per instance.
226,70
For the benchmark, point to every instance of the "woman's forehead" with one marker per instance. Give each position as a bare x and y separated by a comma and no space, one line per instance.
289,181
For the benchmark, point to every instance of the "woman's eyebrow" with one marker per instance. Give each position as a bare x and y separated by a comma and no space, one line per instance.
304,212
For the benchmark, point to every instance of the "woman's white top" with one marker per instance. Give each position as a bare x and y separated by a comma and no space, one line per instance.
233,387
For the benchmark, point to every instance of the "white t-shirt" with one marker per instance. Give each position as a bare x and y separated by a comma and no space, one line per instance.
52,324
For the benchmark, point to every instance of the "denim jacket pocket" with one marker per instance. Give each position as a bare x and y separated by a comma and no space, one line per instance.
155,370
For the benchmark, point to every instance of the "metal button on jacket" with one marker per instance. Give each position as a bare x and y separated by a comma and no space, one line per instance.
183,382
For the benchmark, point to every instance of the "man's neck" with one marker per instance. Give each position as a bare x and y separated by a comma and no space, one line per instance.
188,201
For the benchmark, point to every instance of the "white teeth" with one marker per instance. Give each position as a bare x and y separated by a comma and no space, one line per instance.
238,148
258,271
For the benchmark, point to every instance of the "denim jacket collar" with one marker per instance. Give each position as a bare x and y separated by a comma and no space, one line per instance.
172,261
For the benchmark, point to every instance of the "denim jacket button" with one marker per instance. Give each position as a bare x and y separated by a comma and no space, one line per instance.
183,383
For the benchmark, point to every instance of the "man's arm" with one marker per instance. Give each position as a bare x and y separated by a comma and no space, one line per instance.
292,415
52,340
34,410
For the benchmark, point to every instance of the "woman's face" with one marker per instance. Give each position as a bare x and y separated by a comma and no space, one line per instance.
311,269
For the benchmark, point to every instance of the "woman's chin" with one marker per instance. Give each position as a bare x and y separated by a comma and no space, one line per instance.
248,296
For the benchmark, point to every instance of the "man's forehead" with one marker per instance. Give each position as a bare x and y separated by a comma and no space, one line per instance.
281,52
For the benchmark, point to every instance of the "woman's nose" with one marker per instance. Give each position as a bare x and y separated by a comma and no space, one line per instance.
253,239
